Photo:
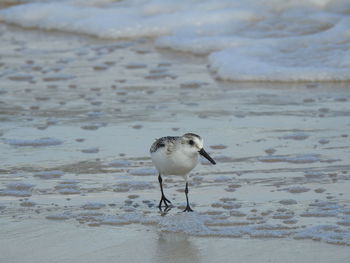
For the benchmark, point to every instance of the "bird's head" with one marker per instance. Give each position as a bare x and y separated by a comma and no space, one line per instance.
193,145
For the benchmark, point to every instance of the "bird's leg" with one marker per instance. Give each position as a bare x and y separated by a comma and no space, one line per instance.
163,198
188,208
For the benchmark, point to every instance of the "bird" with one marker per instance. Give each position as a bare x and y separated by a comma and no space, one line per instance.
177,155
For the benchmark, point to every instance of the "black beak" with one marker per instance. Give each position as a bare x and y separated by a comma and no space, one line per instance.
206,155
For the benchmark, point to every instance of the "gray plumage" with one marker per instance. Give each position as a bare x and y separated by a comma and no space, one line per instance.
169,141
192,134
161,142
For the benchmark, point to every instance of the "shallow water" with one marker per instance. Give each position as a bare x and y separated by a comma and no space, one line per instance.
104,244
78,116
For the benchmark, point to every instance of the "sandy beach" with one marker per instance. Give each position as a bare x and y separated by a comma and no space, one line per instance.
79,113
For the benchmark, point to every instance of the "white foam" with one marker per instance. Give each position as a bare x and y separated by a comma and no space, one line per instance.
328,233
269,233
249,40
186,222
223,224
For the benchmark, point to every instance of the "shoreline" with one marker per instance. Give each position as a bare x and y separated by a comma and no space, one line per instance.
79,115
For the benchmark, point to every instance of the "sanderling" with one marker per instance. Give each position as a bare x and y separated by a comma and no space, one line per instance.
177,155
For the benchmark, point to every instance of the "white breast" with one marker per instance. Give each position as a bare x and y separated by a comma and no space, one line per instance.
175,163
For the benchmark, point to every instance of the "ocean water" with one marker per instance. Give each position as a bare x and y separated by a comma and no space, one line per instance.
253,40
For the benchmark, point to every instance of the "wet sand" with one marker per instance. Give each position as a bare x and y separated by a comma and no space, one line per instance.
43,241
78,116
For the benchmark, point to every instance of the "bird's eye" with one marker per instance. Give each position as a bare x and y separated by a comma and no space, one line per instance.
190,142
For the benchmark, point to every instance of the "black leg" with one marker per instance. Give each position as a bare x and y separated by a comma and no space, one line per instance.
163,198
188,208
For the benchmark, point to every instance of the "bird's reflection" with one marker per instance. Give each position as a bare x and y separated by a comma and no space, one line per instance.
176,247
164,211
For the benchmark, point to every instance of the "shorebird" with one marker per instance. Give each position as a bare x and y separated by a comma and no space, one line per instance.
177,155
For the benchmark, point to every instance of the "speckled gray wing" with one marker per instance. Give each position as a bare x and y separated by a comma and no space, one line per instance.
163,142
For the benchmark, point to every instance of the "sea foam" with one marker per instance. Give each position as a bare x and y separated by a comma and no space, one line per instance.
249,40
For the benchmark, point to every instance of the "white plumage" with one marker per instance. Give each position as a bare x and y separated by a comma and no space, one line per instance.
177,155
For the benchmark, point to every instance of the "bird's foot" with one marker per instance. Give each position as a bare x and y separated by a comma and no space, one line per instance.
188,209
165,200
